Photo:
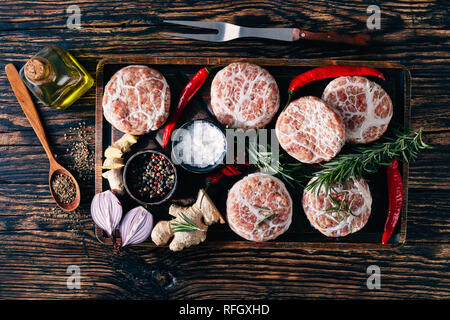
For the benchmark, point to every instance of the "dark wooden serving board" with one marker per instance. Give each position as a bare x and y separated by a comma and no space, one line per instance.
301,234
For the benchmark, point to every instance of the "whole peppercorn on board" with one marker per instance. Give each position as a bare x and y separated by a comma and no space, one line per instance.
178,71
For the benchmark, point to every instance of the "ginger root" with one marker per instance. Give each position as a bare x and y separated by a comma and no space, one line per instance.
202,213
115,180
114,161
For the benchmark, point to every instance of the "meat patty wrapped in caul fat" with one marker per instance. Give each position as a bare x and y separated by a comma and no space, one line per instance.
363,105
346,209
310,131
259,207
136,100
245,96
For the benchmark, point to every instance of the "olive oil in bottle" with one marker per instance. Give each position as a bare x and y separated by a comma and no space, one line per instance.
55,77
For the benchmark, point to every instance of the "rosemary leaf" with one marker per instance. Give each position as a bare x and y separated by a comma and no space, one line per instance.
271,211
367,159
263,209
265,218
186,226
340,207
263,157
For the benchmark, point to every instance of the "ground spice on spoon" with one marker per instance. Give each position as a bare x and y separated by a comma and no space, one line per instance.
64,188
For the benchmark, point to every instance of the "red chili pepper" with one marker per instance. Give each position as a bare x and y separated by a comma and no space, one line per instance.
227,170
395,189
186,95
331,71
230,170
213,178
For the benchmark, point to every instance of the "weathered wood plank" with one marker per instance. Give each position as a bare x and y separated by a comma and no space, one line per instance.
40,260
426,44
428,218
430,169
350,15
29,164
31,207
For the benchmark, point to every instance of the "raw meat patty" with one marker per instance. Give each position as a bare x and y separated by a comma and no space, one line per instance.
136,100
310,131
339,224
244,95
255,197
363,105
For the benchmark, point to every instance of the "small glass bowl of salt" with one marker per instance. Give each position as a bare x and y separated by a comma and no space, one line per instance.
199,146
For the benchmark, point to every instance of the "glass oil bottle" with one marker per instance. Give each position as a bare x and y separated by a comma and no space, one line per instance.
55,77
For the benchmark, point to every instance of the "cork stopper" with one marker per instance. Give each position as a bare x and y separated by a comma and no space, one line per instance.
35,70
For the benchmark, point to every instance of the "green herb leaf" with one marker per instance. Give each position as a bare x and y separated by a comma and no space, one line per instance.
339,207
265,218
263,158
366,159
263,209
187,226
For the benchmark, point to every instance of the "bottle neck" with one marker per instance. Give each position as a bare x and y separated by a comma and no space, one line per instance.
38,70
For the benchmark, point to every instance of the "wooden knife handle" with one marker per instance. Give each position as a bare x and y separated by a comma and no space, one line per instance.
28,107
359,39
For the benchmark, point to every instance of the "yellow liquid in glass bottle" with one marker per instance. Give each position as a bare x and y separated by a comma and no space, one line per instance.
55,77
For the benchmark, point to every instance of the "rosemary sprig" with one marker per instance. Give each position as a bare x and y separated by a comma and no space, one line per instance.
265,218
366,159
339,207
187,226
262,209
263,159
270,215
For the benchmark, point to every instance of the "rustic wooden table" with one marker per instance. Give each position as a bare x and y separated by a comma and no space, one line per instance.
38,244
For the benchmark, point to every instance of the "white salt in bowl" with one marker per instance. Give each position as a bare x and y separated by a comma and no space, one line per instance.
199,146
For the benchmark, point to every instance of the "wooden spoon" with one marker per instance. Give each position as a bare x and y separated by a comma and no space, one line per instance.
28,107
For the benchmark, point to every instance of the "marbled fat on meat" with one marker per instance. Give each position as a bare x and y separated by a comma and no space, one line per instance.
363,105
310,131
136,100
339,224
252,199
245,96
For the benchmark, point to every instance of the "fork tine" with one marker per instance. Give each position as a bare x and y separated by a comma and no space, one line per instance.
198,24
202,37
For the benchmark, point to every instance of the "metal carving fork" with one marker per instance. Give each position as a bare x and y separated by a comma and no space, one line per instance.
228,31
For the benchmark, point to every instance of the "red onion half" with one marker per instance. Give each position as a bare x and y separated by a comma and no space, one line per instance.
136,226
106,211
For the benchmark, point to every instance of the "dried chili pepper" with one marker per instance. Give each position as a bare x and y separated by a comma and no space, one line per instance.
330,71
186,95
228,170
395,189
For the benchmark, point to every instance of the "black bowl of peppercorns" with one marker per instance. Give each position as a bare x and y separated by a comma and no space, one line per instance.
150,177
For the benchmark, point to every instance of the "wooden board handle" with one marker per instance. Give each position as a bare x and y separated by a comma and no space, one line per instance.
359,39
28,107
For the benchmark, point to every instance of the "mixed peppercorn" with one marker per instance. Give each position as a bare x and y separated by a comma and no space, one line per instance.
152,177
